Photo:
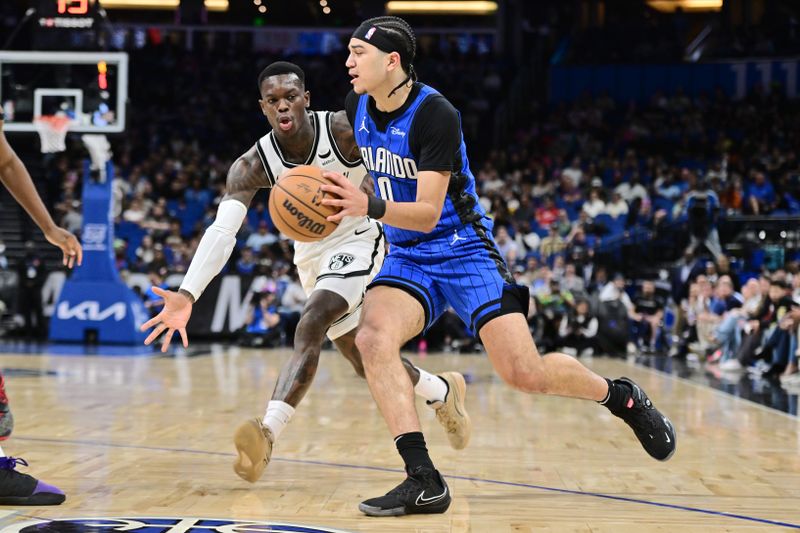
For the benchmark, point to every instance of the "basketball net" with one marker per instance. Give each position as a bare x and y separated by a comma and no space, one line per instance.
52,131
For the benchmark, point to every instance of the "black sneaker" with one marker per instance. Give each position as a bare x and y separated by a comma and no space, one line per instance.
653,429
423,492
21,489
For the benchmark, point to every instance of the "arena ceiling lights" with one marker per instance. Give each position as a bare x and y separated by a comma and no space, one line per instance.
211,5
669,6
434,7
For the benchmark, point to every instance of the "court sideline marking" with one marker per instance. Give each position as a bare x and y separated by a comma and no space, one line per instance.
396,471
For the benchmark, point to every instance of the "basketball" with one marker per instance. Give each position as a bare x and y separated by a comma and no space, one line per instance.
295,205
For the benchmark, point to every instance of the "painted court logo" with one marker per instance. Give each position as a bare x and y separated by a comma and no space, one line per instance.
160,525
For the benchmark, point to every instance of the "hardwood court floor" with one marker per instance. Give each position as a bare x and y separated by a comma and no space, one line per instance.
151,437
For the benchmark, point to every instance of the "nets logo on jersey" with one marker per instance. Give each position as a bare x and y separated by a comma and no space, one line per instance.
160,525
386,162
339,261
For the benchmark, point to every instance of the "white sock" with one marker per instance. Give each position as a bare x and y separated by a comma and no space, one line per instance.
2,454
432,388
277,416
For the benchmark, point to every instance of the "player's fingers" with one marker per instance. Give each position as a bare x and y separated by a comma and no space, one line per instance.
64,259
334,176
184,337
332,189
161,292
333,201
167,340
78,252
150,323
335,218
154,335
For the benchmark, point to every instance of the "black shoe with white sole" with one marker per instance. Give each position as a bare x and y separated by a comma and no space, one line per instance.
424,491
653,429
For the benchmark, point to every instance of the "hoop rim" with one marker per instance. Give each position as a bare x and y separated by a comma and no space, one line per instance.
57,123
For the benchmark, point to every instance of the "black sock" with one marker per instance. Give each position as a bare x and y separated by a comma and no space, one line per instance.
413,451
617,397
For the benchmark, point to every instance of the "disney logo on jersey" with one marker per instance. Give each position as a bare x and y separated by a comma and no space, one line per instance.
162,525
398,131
389,163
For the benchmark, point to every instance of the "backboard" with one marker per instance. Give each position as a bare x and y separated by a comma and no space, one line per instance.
91,88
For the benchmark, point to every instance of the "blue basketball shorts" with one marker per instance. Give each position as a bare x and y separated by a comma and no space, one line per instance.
462,269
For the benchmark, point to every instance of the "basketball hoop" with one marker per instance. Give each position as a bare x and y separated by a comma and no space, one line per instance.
52,131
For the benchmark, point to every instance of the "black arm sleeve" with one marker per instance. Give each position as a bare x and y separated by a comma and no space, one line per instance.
435,138
350,106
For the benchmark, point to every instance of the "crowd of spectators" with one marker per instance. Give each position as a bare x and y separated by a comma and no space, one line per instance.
574,178
634,32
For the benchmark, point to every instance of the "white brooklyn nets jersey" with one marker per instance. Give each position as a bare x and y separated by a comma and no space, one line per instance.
324,154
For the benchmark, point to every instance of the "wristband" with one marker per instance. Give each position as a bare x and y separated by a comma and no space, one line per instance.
376,207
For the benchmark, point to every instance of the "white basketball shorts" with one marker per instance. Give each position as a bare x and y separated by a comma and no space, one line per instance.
346,266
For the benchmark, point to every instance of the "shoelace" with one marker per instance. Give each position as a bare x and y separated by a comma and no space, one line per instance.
643,421
408,486
10,463
451,423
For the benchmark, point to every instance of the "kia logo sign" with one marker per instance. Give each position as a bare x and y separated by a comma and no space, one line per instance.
90,310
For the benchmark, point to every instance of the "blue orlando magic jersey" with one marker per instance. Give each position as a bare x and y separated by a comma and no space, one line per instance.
389,157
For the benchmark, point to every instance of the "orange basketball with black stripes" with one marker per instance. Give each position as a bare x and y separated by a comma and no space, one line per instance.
295,204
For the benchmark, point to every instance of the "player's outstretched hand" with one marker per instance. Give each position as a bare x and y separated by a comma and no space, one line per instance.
344,194
73,253
174,317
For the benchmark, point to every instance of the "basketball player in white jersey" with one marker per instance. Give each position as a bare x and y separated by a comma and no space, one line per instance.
334,271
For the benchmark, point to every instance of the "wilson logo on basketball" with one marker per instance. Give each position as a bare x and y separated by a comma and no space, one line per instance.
302,220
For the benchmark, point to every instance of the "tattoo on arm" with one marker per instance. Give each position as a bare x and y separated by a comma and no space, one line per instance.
344,137
245,177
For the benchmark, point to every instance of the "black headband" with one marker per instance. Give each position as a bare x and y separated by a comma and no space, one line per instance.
381,39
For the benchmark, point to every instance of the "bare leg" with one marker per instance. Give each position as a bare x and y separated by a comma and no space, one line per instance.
322,309
347,347
390,317
514,356
516,359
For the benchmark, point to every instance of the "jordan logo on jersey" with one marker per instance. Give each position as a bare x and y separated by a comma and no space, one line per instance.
363,125
389,163
456,238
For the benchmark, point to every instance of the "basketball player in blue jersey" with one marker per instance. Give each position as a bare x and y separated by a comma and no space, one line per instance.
442,252
334,271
